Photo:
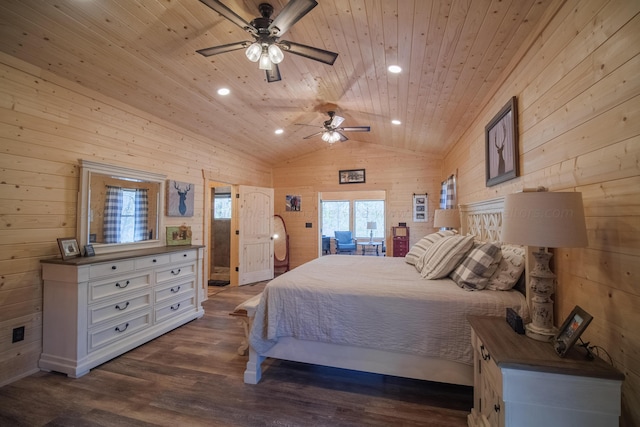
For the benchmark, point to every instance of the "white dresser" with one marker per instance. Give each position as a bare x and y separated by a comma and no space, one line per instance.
520,382
97,308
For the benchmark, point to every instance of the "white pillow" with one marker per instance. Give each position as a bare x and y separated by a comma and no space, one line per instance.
474,271
443,256
420,248
509,269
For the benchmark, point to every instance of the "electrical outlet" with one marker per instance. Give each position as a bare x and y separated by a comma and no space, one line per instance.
18,334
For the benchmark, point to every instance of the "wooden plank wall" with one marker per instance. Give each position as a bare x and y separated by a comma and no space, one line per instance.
46,125
578,89
399,173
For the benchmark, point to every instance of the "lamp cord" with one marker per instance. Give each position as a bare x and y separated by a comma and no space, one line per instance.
597,348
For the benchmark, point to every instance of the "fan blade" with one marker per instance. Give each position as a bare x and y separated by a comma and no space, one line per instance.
343,137
292,13
225,12
209,51
306,124
273,75
312,135
336,121
310,52
356,129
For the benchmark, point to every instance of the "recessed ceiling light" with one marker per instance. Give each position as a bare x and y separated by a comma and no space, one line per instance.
394,69
279,131
223,91
396,122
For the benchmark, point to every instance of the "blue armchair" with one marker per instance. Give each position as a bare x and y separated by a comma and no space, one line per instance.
345,242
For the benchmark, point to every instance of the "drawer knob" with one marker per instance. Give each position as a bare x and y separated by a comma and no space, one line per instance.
121,286
114,267
174,290
175,273
184,255
154,260
123,329
175,307
123,307
485,354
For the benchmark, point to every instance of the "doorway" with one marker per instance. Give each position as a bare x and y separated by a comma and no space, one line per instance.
220,235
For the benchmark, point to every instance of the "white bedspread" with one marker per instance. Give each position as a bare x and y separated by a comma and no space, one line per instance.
374,302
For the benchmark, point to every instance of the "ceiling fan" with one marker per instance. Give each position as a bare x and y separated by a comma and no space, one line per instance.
332,131
266,49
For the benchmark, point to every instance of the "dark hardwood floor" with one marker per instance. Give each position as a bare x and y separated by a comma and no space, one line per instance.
192,376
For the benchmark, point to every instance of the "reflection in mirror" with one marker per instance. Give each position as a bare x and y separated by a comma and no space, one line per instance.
119,208
280,245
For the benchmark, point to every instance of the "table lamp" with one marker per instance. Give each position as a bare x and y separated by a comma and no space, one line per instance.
446,218
371,225
544,220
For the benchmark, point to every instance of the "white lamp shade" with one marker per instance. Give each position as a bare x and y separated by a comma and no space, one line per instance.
449,218
265,62
544,219
371,225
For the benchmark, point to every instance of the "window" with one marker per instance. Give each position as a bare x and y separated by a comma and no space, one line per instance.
222,206
128,215
335,216
369,211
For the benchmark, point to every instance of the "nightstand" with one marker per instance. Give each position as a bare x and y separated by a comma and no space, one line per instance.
522,382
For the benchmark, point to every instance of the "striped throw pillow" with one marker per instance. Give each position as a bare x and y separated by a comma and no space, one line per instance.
443,256
417,250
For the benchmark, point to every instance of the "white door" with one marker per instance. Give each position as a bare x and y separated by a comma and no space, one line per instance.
255,231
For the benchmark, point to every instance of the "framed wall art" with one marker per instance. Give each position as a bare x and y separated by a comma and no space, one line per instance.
293,203
180,198
501,145
68,247
351,176
177,236
420,208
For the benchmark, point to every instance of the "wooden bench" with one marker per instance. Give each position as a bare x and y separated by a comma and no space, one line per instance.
246,311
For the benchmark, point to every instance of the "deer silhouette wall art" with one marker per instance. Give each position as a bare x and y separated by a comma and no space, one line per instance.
180,199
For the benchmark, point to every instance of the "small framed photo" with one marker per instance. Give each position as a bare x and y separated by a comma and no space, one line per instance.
501,145
89,251
351,176
571,330
68,247
420,208
177,236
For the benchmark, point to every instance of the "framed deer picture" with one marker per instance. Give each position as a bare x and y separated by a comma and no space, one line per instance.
180,198
501,138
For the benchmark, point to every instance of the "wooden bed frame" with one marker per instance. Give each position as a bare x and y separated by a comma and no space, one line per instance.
482,219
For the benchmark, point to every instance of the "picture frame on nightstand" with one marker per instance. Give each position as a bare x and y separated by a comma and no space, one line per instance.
570,331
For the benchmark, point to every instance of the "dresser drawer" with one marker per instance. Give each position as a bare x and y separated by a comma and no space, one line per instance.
184,256
171,290
108,334
166,312
173,273
117,286
105,312
152,261
111,268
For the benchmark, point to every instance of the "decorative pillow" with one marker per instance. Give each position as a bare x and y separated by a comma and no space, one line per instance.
474,271
509,269
420,248
443,256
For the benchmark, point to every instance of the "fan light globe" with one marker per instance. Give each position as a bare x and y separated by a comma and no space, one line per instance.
253,52
330,137
265,62
275,54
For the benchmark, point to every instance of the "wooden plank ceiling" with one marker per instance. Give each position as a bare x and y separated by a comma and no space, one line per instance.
143,53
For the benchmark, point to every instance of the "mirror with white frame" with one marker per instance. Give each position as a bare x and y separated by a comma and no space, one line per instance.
119,208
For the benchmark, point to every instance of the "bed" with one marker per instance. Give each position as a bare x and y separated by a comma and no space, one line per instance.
378,315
